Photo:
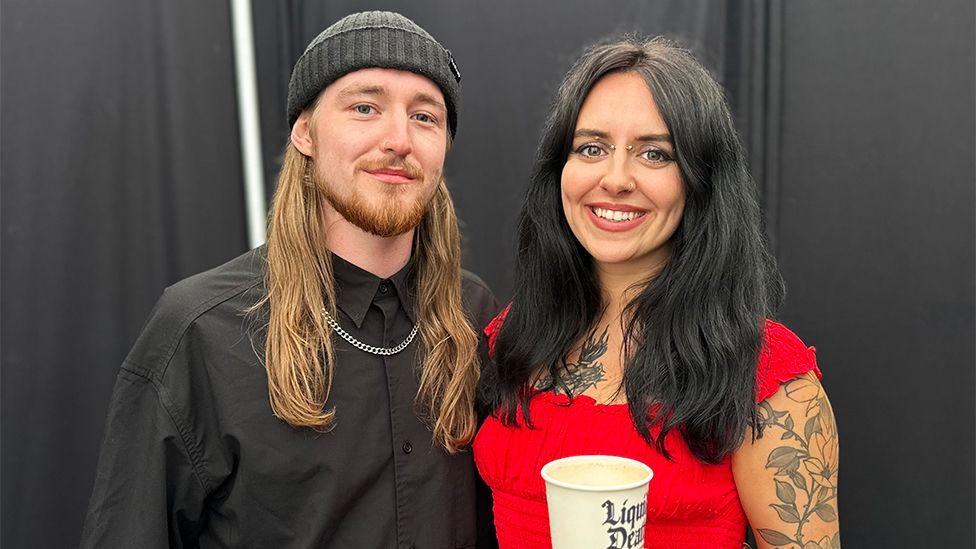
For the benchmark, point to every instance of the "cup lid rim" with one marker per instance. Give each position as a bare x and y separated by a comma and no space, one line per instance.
589,488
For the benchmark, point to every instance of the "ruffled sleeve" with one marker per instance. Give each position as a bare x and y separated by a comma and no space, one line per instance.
493,327
783,357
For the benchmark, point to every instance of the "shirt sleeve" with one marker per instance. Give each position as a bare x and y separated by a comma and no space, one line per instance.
784,356
148,492
480,300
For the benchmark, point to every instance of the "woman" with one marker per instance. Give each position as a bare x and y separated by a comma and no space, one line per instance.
639,325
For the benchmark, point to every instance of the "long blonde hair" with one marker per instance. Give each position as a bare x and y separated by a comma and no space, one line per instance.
299,355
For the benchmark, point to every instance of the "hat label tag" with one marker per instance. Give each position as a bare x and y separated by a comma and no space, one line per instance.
453,65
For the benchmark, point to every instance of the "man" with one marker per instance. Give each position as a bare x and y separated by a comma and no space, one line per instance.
319,391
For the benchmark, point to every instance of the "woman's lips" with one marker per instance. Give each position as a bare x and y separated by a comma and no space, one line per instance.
615,226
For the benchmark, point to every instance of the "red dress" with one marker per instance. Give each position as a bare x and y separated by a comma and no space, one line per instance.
689,504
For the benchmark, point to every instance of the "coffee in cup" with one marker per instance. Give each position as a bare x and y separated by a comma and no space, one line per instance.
597,501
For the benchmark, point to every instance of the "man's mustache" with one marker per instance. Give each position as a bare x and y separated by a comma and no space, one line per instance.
413,171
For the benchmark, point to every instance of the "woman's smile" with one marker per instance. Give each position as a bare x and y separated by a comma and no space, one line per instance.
615,217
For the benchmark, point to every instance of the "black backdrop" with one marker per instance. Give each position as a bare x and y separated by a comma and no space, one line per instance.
120,173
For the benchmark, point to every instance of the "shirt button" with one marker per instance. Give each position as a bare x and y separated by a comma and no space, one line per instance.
384,288
407,447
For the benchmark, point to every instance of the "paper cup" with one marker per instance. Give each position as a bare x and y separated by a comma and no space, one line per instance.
596,501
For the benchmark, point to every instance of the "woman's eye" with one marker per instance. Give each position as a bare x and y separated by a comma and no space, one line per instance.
656,156
589,151
364,109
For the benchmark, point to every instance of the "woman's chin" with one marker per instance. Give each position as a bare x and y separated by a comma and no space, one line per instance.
611,257
628,261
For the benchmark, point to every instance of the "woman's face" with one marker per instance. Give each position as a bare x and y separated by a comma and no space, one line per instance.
622,192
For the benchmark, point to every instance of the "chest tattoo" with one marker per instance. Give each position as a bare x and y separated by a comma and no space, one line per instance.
575,378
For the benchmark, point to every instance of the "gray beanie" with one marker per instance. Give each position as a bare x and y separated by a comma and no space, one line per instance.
380,39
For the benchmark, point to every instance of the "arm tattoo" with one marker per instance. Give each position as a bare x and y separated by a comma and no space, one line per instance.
575,378
799,499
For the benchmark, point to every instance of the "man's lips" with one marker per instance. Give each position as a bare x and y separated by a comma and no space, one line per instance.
391,175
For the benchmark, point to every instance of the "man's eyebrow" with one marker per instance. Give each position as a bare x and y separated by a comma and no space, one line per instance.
361,89
428,99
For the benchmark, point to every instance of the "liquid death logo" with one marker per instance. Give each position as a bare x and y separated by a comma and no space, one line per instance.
625,527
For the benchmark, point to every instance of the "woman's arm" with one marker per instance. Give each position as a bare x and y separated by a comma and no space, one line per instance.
787,480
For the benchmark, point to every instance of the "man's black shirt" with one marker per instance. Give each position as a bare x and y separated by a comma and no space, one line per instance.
194,457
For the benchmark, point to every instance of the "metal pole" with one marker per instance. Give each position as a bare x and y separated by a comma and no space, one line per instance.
250,122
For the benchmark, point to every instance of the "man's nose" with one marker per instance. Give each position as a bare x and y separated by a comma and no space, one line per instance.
396,139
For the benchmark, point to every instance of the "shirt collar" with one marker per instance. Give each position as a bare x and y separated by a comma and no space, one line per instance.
356,288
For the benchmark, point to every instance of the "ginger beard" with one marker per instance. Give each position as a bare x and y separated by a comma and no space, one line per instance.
394,210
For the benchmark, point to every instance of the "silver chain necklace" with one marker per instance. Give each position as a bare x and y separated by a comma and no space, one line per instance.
383,351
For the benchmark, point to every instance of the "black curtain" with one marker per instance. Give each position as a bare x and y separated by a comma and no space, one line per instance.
121,174
876,240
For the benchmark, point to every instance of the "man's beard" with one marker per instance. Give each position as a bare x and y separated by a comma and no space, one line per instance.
389,215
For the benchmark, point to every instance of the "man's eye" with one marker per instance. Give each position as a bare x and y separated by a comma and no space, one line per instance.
425,118
589,151
364,109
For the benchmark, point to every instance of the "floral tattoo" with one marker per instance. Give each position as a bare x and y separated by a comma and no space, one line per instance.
799,499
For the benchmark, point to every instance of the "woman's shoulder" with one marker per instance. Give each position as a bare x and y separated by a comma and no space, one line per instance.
784,356
491,330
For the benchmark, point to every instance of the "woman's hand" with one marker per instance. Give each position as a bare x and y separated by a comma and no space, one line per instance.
787,480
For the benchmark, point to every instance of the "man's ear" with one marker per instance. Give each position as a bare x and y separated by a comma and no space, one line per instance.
301,134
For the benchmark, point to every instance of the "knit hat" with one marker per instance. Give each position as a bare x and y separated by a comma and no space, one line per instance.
380,39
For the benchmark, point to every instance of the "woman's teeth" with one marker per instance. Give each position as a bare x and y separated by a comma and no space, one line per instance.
614,215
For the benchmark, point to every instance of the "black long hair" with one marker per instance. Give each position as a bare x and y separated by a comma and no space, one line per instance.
695,329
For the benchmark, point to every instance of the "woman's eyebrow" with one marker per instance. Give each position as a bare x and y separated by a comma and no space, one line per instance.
656,137
599,134
586,132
